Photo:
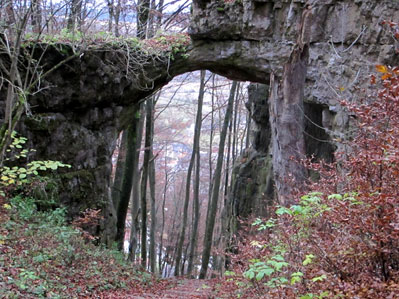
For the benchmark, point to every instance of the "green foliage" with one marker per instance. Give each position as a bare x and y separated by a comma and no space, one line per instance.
161,46
229,273
167,44
274,269
308,259
20,175
322,295
259,269
296,277
264,225
25,207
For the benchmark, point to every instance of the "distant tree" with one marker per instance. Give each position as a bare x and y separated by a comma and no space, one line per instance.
75,15
211,215
143,9
196,200
151,178
118,177
36,16
127,180
197,132
144,179
135,194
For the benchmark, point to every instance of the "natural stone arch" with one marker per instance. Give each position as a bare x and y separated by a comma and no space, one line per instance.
77,119
89,101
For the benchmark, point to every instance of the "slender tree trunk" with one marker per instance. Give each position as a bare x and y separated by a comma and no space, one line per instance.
11,42
235,133
211,145
197,133
248,130
110,4
287,119
135,195
227,164
210,221
117,15
152,193
75,15
120,165
171,231
127,181
143,8
146,166
196,153
159,15
36,16
151,20
163,215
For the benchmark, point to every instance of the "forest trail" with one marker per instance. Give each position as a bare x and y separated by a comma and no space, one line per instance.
185,288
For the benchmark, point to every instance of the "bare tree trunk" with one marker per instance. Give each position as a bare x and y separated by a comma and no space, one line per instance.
117,15
10,15
151,173
196,153
151,19
211,142
210,221
36,16
197,132
235,133
158,22
146,166
163,215
135,195
117,184
143,8
287,119
110,4
75,15
227,164
127,181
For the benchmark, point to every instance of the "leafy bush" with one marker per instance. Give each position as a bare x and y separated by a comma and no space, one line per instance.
18,171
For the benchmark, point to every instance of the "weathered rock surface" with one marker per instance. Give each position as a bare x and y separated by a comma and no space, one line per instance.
89,100
346,38
252,189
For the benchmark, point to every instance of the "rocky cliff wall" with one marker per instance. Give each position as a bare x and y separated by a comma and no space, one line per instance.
346,41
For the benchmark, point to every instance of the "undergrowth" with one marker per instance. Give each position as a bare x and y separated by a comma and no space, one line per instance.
41,256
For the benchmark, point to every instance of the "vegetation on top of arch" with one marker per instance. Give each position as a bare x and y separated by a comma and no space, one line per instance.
163,44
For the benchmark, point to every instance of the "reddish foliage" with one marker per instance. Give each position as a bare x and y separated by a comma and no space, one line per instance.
355,239
89,219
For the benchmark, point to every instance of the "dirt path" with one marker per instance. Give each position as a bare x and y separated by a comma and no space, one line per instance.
186,288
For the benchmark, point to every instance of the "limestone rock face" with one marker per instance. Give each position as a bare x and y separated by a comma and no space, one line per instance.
252,188
258,108
346,38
